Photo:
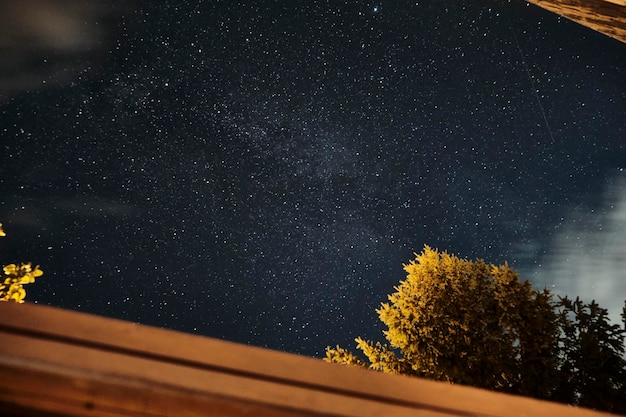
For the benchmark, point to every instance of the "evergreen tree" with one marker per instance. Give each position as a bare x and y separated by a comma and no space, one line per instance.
591,357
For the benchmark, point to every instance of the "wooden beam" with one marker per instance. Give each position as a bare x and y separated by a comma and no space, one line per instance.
60,363
605,16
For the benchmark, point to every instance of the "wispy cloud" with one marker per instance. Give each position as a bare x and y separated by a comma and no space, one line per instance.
587,257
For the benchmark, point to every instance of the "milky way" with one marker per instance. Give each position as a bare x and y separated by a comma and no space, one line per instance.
259,172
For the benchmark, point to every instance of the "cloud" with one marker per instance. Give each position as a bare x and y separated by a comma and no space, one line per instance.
38,216
587,257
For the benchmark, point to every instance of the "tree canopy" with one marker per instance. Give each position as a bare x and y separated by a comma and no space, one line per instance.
474,323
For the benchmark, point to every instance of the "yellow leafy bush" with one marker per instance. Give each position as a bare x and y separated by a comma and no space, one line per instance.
15,277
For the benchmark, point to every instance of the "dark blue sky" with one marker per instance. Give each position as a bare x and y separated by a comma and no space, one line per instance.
260,171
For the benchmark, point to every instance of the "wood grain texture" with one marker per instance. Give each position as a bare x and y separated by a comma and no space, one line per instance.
55,362
605,16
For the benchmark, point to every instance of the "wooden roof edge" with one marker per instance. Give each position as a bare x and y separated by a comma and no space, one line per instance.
58,362
605,16
618,2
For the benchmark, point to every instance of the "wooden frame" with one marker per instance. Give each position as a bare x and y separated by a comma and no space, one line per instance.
605,16
61,363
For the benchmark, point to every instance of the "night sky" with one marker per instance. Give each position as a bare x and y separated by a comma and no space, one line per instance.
259,171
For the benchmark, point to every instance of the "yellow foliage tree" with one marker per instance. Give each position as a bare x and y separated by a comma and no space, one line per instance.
16,276
465,322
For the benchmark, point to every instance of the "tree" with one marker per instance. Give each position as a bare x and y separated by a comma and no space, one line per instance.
591,357
474,323
465,322
16,276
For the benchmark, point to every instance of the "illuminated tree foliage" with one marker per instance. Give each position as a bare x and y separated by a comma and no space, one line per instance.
15,277
477,324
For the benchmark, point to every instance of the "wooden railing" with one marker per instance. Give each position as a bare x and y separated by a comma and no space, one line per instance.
61,363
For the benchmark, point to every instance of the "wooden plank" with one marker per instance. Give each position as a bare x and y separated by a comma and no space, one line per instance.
605,16
187,382
56,362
